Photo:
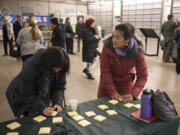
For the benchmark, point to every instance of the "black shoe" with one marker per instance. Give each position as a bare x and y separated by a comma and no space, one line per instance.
89,75
5,55
85,71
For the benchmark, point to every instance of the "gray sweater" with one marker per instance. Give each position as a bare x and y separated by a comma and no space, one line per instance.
26,42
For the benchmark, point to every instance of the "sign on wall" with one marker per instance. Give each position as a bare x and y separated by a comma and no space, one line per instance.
12,18
38,19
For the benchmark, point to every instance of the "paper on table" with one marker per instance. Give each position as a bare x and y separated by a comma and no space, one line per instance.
71,114
78,118
13,125
99,118
128,105
114,102
44,130
57,120
90,114
84,123
12,133
103,107
111,112
39,118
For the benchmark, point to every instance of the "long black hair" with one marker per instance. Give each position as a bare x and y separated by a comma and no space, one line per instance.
55,57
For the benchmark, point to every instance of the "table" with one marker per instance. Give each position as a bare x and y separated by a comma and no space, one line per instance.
121,124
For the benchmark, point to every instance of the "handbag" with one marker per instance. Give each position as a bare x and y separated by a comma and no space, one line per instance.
15,52
162,106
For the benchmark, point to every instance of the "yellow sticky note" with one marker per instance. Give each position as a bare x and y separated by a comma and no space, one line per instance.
137,106
99,118
44,131
12,133
90,114
128,105
113,102
54,113
78,118
111,112
57,120
103,107
84,123
13,125
71,114
39,118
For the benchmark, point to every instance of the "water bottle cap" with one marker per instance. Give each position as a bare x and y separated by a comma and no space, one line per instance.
147,92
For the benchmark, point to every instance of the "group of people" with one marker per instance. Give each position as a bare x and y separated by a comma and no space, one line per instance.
171,49
39,87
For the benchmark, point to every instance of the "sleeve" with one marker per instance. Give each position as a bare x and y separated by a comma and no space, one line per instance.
142,74
28,90
41,38
162,31
71,30
20,38
106,75
58,92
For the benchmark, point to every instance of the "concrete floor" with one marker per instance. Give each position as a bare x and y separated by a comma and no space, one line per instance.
161,76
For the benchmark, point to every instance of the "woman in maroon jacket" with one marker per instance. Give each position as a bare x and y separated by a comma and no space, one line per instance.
121,62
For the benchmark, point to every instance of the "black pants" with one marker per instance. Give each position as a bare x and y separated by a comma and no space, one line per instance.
178,61
69,45
25,57
6,41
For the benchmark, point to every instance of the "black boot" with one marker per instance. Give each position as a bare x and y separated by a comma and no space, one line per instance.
89,75
85,71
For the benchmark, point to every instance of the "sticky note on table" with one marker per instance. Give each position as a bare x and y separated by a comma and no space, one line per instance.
103,107
54,113
113,102
84,123
111,112
77,118
71,114
120,99
13,125
99,118
44,131
90,114
39,118
137,106
57,120
128,105
12,133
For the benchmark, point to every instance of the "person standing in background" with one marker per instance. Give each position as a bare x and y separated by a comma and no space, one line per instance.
58,35
30,39
89,46
69,36
17,26
167,30
79,31
7,35
61,24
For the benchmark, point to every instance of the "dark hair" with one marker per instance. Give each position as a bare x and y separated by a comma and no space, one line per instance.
55,57
61,20
18,16
54,21
67,18
170,17
127,34
131,29
89,21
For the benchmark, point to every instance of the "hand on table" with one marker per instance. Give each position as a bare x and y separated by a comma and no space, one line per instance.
48,111
116,96
57,108
127,98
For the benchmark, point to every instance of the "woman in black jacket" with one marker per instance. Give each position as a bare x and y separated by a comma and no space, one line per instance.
39,87
89,45
69,36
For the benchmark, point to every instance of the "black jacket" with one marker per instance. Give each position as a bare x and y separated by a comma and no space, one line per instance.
89,45
177,38
35,87
58,37
80,29
68,29
17,27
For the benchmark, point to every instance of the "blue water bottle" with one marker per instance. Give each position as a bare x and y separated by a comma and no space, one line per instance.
146,104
